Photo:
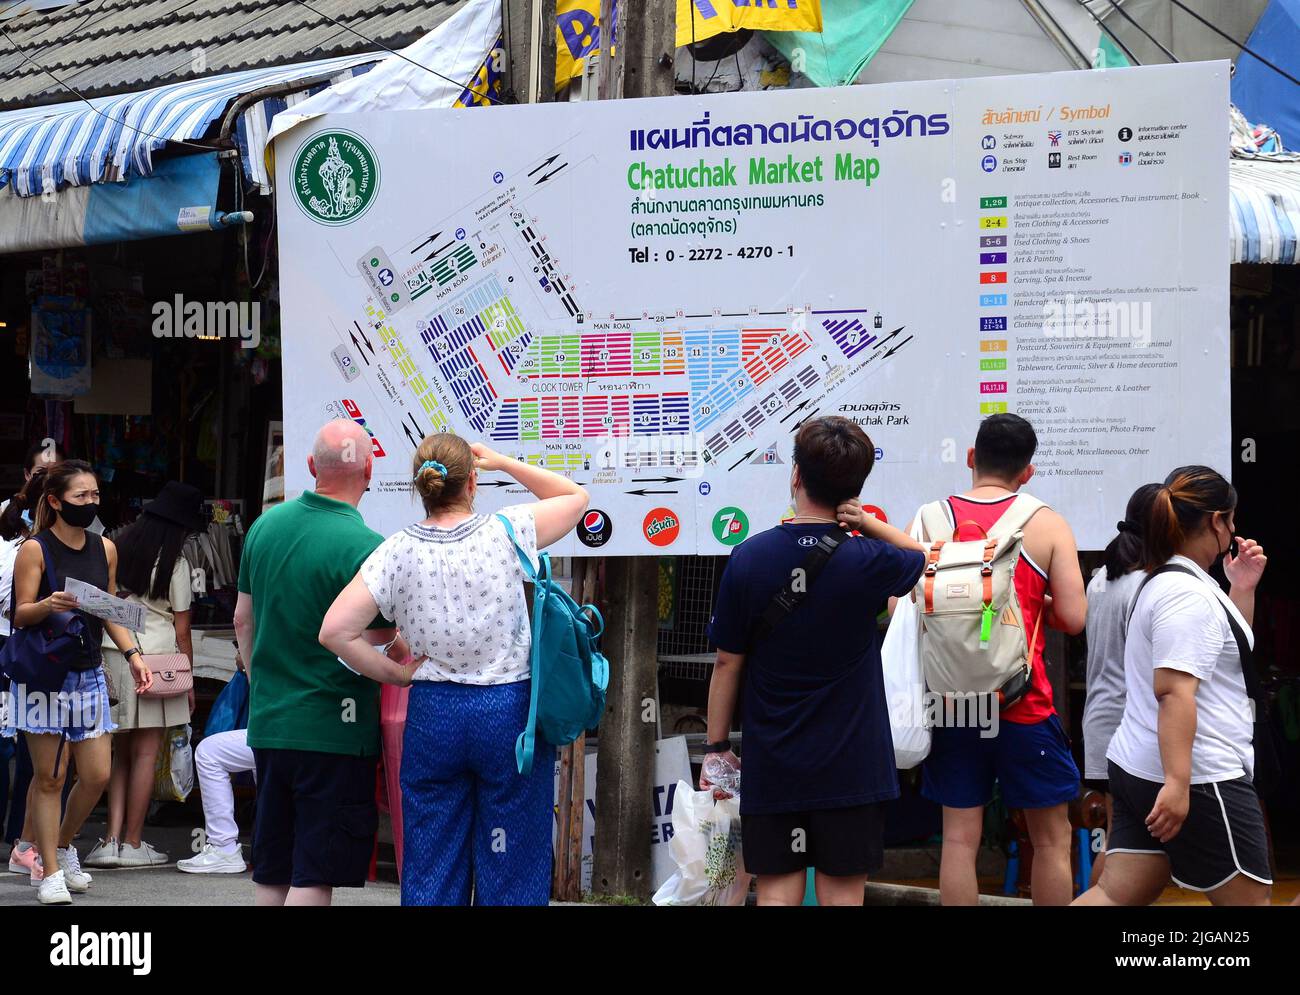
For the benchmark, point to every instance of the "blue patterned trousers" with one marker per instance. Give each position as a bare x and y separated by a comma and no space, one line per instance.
474,827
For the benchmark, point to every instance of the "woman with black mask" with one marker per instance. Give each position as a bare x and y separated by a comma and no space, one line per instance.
71,721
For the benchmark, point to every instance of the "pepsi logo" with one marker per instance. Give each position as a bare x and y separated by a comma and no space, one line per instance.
595,528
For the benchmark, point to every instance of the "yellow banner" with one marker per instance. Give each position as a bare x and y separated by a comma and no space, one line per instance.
577,25
700,19
577,35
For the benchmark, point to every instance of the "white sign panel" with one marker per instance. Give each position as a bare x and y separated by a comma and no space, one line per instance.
672,764
652,295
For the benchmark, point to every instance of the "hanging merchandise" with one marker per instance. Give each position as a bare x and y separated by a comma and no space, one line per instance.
60,356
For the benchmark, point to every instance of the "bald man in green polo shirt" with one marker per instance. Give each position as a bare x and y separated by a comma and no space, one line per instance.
313,723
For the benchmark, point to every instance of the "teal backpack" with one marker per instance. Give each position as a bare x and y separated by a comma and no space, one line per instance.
569,673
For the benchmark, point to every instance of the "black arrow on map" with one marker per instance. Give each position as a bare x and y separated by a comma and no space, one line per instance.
899,346
415,443
643,492
357,344
416,425
362,333
741,460
657,480
890,336
550,174
439,250
546,163
431,238
799,424
496,483
793,411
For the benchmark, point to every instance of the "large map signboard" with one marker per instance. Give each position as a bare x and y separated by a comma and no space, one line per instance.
652,295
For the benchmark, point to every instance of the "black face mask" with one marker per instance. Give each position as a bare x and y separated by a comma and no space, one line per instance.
79,516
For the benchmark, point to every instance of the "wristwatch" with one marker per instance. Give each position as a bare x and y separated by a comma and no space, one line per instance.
133,649
721,746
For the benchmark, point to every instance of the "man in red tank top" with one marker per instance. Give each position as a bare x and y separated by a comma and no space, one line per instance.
1030,754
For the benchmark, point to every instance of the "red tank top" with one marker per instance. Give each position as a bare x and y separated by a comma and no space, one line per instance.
1031,585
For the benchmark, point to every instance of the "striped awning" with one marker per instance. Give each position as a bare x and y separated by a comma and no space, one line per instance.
112,138
1264,215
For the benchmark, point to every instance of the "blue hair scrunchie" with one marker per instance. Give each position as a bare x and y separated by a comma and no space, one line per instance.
434,464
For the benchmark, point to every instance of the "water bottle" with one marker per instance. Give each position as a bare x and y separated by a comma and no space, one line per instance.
721,773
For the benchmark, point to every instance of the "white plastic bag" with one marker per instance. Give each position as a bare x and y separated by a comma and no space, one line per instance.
900,655
706,848
173,777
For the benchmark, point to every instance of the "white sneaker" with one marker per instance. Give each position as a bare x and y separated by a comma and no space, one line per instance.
143,855
74,877
210,860
54,890
104,854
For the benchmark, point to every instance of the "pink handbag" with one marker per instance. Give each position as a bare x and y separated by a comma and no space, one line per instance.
172,675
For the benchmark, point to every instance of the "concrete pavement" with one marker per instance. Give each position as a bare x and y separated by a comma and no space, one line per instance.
168,886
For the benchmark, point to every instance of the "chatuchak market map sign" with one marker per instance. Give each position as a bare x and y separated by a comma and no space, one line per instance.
651,296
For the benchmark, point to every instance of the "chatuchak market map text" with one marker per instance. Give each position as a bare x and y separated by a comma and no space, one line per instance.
651,296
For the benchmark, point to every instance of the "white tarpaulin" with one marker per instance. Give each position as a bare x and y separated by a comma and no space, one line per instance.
455,50
652,295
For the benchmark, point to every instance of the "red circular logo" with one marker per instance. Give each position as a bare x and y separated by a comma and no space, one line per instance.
662,527
871,509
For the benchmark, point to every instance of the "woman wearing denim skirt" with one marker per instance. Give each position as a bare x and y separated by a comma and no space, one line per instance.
71,722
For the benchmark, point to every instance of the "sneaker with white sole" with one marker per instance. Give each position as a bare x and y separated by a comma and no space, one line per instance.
105,854
76,880
22,861
54,890
143,855
211,860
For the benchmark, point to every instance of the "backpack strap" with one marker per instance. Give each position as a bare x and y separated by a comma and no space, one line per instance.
1254,690
793,593
1016,517
529,570
935,523
540,576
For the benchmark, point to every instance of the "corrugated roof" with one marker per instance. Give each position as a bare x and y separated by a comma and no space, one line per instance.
103,47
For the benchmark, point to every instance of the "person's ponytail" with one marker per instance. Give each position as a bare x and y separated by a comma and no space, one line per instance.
1181,506
12,524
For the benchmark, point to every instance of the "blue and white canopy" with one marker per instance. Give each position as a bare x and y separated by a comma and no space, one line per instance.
112,138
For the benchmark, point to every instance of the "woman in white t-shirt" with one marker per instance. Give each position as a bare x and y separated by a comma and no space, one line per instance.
453,585
1181,762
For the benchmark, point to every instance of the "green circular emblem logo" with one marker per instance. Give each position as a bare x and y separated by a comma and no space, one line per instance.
730,526
335,177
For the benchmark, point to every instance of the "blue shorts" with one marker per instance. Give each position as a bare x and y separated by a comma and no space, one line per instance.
1032,763
79,711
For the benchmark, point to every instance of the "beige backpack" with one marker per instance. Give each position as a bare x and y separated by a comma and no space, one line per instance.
973,635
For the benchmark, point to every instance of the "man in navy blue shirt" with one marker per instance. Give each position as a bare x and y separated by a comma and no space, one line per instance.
818,754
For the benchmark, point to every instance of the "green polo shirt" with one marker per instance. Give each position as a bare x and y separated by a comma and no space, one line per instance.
297,557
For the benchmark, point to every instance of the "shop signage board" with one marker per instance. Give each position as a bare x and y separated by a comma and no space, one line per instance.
652,295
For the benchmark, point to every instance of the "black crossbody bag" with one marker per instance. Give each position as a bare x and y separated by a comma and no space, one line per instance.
786,600
1268,766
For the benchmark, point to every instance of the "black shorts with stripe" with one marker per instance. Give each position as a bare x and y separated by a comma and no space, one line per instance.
1222,836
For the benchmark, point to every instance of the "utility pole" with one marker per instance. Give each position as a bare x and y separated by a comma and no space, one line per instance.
641,67
529,30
